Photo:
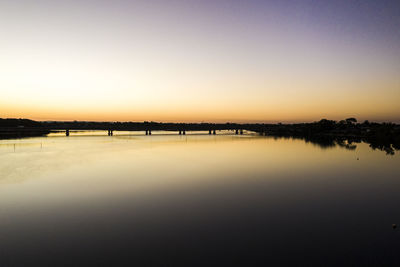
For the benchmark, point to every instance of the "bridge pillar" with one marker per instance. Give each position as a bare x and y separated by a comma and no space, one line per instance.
241,131
237,131
67,133
214,132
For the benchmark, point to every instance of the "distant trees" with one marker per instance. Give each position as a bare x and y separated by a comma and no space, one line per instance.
325,124
351,120
19,123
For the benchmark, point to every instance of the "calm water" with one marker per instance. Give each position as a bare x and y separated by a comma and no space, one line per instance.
195,200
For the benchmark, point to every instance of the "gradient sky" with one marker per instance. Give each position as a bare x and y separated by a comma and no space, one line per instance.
205,60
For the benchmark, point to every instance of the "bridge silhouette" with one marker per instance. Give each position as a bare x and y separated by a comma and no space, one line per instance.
146,128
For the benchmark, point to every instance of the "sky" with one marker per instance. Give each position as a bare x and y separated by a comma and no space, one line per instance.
193,61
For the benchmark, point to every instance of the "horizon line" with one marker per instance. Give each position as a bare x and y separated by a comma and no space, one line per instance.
208,122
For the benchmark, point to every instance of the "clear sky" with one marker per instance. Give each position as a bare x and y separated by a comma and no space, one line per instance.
204,60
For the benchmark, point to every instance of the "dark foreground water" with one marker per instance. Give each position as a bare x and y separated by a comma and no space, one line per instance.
195,200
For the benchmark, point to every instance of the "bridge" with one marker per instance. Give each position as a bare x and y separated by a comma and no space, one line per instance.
146,128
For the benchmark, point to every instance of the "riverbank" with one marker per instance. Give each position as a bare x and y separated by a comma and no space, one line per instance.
326,133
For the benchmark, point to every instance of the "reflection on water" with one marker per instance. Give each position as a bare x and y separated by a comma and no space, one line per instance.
326,141
169,200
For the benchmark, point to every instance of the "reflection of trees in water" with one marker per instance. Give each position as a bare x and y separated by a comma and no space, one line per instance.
385,137
388,148
346,134
327,142
321,141
348,144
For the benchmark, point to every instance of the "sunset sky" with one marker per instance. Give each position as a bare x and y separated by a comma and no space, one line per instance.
208,60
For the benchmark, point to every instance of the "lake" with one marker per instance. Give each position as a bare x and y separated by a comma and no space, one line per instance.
195,200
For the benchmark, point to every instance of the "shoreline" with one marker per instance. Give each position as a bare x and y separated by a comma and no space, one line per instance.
326,133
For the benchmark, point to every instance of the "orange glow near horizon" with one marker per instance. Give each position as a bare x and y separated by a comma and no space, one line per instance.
231,112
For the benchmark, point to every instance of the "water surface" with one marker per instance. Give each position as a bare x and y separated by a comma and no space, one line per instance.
168,200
